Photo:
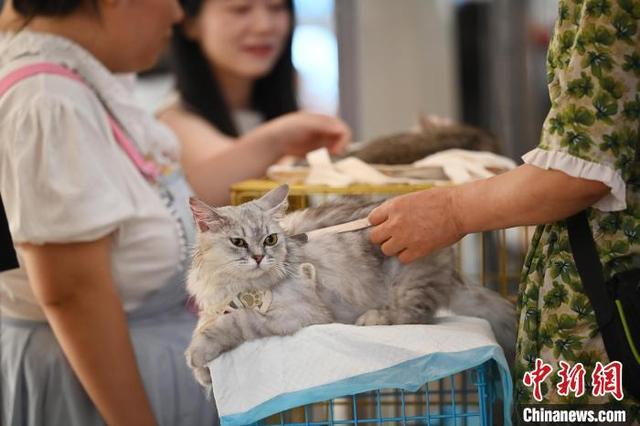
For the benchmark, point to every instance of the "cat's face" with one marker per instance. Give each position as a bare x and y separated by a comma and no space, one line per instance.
244,241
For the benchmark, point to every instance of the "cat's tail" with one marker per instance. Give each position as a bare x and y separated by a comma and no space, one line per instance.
477,301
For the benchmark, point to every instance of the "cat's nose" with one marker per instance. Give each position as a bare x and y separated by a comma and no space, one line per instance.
258,258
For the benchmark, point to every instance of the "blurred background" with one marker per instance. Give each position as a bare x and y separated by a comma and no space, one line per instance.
379,63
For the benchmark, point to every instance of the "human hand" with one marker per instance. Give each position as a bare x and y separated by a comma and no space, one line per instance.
300,132
415,225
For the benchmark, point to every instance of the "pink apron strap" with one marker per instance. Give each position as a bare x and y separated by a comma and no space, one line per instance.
149,169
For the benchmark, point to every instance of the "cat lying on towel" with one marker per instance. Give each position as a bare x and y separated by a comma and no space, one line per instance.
250,279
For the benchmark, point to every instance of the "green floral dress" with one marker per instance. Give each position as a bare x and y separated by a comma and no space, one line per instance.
591,132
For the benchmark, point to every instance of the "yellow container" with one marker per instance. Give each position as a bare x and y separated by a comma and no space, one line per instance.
299,194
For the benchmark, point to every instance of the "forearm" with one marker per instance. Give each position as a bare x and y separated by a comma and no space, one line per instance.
212,161
92,330
73,284
212,174
527,195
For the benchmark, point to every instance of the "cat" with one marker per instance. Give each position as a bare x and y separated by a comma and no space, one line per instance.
408,147
333,278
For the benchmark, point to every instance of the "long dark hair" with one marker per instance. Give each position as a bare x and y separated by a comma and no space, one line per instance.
33,8
273,95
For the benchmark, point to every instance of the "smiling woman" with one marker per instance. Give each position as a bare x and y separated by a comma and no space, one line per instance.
235,55
236,87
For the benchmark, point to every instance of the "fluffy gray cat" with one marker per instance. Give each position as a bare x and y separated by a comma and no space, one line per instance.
247,250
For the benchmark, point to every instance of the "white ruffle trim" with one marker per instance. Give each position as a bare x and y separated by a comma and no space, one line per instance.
577,167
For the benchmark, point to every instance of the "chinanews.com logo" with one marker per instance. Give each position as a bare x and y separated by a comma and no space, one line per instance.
570,415
605,380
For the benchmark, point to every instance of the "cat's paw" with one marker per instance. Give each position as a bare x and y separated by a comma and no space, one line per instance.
374,317
203,376
198,358
201,352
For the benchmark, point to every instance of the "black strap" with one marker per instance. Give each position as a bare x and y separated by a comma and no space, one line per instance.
589,267
8,259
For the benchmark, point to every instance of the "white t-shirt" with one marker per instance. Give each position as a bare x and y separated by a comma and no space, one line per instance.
63,178
245,120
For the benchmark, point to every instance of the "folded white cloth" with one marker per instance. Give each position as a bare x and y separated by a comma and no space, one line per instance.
322,172
459,166
462,166
344,172
266,376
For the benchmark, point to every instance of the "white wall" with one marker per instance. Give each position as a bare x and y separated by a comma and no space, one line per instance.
402,62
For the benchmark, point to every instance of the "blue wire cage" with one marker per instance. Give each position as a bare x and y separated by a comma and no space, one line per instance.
466,398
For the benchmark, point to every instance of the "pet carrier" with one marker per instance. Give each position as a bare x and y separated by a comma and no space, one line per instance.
450,372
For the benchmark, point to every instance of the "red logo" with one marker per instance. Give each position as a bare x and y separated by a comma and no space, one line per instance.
608,379
537,376
571,379
604,379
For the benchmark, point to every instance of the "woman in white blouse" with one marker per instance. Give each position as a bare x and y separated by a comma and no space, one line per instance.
94,323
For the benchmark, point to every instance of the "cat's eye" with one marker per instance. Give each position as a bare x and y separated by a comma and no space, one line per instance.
238,242
271,240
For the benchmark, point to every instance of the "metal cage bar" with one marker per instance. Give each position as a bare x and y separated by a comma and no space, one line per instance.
478,410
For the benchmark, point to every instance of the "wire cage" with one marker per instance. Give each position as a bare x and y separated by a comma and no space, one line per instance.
492,259
466,398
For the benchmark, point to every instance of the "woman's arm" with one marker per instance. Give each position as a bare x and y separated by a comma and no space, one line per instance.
74,286
527,195
213,162
417,224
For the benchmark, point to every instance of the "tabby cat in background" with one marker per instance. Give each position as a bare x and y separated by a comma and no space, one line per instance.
433,135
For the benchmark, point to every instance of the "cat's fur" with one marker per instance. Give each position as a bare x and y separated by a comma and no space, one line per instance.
405,148
351,281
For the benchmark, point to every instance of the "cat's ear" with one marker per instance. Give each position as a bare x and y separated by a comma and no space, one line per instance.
206,217
275,201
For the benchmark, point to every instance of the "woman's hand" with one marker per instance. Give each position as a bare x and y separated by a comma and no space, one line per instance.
212,162
300,132
414,225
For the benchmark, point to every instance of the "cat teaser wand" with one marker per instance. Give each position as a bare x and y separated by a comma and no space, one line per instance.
354,225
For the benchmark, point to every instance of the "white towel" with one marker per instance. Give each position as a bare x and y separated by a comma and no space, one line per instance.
462,166
459,166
